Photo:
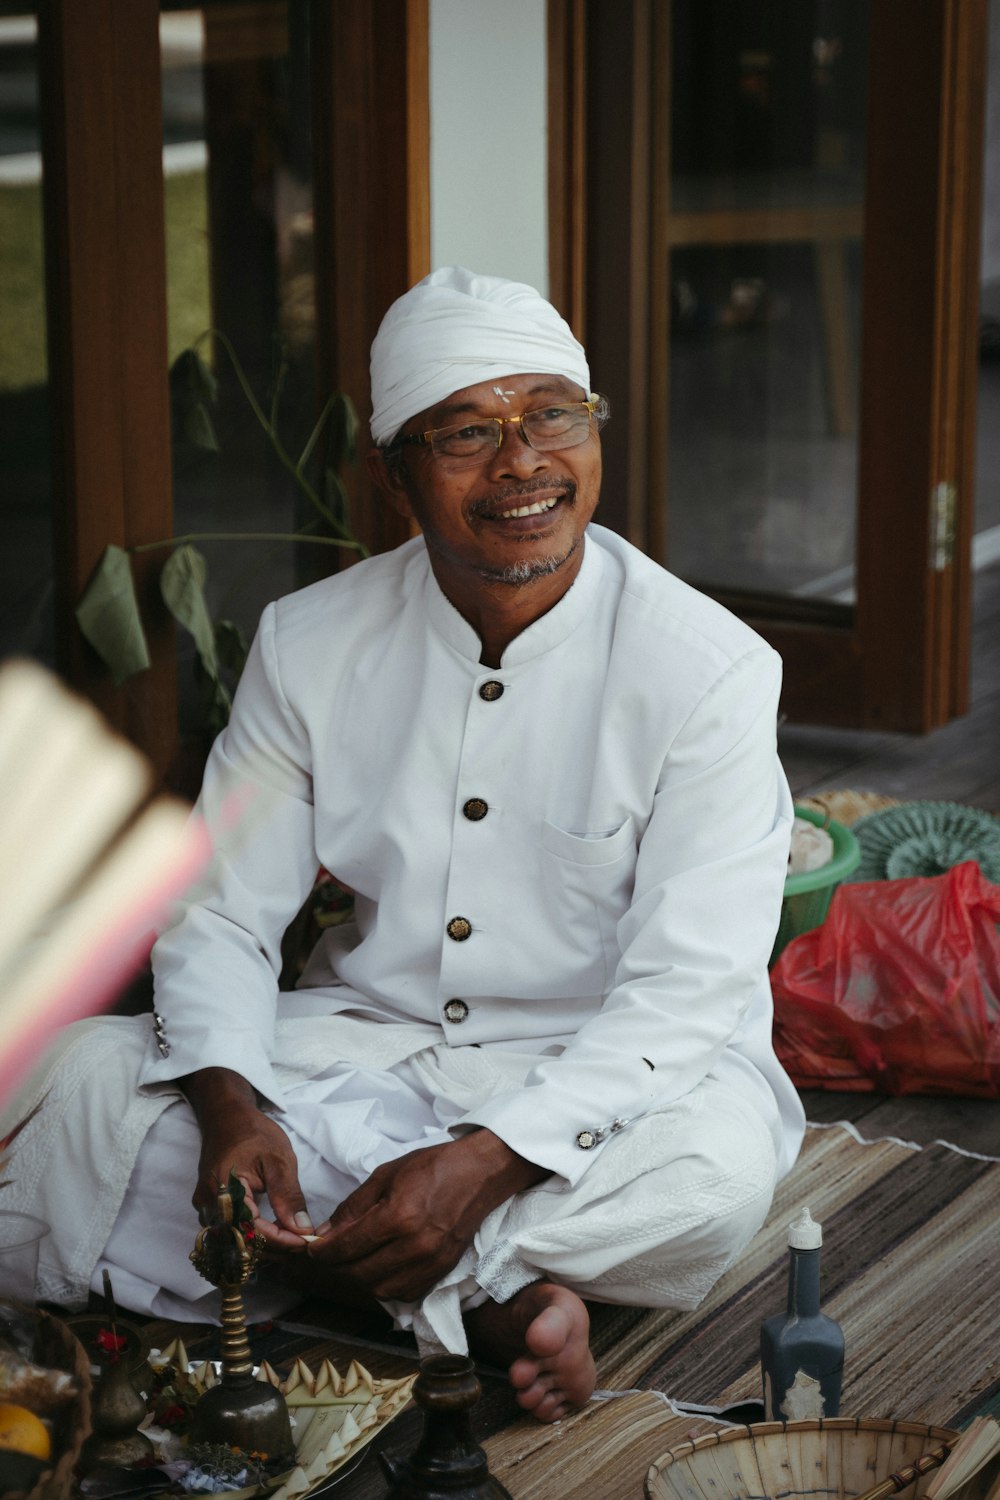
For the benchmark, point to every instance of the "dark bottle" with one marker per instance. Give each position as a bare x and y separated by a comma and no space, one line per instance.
802,1350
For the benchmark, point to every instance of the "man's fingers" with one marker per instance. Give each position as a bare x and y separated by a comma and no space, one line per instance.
383,1275
276,1238
281,1183
351,1238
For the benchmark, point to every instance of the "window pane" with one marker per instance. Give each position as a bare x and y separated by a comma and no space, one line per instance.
765,225
25,479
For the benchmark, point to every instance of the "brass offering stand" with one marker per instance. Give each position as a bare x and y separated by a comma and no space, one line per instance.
448,1464
240,1411
117,1406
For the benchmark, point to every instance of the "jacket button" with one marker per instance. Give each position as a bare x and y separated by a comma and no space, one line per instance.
456,1011
586,1140
475,809
458,929
490,691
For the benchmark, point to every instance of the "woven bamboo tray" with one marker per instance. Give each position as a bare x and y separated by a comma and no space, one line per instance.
59,1349
827,1460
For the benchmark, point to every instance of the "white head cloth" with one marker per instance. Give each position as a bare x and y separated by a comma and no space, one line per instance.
455,329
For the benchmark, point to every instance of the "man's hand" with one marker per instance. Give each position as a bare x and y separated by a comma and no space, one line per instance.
236,1134
407,1226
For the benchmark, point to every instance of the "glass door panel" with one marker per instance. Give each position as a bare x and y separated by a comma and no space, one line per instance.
241,294
764,225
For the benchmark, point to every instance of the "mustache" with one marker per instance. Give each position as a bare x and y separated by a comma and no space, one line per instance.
513,495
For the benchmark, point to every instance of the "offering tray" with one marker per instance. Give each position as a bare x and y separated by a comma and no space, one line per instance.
334,1415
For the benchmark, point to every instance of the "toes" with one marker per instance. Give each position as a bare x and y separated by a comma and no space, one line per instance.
548,1334
523,1373
545,1405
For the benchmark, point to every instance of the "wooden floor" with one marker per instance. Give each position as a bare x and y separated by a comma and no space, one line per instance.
957,763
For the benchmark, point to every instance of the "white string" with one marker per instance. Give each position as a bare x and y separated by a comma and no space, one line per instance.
895,1140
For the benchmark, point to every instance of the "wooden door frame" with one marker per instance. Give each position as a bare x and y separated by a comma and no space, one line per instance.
900,660
371,107
99,71
102,187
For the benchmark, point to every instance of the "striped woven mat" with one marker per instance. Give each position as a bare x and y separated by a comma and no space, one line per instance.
911,1270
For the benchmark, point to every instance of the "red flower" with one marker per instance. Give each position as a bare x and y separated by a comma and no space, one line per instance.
109,1342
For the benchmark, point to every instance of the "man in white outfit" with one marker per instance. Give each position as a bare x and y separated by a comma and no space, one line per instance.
536,1066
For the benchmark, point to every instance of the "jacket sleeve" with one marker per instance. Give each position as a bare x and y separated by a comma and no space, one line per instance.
216,967
694,941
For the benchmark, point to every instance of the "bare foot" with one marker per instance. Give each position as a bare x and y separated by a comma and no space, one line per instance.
542,1333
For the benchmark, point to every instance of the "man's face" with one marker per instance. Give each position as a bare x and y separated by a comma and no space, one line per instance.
518,516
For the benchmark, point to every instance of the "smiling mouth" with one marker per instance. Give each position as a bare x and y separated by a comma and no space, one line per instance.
519,502
536,508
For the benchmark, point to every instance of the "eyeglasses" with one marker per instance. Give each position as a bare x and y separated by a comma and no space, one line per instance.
545,429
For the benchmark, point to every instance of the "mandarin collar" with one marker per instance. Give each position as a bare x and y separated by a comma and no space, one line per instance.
543,635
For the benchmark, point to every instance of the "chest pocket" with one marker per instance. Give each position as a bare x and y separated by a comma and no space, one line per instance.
589,886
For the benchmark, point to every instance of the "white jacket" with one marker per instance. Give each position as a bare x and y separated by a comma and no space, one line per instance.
588,858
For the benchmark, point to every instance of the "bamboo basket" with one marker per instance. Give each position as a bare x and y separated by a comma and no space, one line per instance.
57,1347
831,1459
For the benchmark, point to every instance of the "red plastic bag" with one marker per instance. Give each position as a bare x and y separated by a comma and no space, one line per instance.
898,990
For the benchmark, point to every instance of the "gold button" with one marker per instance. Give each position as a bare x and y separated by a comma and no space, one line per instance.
456,1011
475,809
491,691
459,928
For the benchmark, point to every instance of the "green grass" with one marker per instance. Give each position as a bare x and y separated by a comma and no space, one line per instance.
22,276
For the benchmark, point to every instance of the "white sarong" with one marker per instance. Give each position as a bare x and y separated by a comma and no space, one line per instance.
662,1210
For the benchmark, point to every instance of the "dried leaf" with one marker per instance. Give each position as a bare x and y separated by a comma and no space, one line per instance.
108,615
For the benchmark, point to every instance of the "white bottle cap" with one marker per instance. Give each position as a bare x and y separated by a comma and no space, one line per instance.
804,1233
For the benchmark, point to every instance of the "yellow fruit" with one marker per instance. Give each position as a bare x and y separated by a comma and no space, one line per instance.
21,1430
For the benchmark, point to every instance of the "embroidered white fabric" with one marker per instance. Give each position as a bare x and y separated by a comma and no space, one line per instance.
665,1208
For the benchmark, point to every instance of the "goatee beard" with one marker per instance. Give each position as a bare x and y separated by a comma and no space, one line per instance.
518,574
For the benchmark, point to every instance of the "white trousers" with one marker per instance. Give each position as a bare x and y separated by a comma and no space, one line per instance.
662,1210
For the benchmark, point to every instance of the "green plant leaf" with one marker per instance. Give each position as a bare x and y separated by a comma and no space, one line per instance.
335,496
230,646
192,388
199,428
108,615
191,376
218,703
342,433
182,584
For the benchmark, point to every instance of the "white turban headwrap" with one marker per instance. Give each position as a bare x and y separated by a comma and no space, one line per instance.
455,329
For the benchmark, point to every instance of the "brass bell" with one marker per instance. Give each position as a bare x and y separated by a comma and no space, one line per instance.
240,1411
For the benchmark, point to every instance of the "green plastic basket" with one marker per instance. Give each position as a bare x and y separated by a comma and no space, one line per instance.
807,897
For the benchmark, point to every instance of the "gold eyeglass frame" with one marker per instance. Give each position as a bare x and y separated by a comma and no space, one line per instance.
597,406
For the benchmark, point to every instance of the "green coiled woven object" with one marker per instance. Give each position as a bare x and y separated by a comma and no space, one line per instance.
926,838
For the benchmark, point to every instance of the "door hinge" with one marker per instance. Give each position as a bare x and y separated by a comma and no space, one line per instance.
944,504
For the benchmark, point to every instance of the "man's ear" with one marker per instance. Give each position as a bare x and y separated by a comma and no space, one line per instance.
391,481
